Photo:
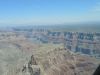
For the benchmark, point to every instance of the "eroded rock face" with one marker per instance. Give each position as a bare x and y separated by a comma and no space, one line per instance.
57,62
32,67
36,70
63,62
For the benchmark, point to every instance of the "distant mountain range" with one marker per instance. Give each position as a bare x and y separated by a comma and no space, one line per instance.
79,27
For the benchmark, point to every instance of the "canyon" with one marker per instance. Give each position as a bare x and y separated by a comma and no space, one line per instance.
36,52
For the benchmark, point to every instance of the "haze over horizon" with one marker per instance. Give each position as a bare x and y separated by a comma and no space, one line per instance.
38,12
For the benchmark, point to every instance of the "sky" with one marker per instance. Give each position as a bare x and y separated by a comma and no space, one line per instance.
49,11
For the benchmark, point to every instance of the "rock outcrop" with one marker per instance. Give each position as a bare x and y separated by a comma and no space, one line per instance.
32,68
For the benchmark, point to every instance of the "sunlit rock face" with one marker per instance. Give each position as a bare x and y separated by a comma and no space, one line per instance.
81,42
85,44
67,63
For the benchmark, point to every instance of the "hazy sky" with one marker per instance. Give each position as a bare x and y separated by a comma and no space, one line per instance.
48,11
